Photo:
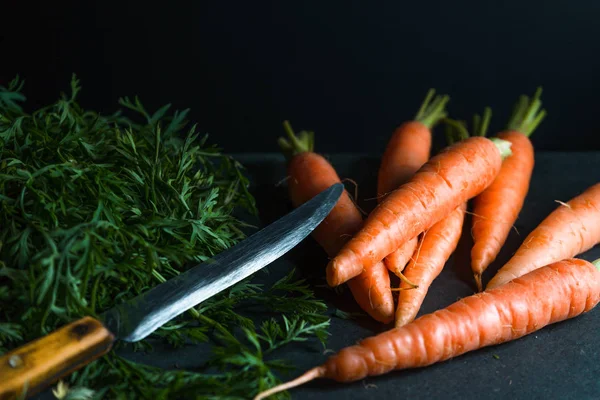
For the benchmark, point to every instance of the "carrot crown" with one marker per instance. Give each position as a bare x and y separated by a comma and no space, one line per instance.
433,109
296,144
596,263
503,147
526,114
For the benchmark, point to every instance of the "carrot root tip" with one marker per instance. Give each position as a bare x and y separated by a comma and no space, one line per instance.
401,289
404,279
478,282
317,372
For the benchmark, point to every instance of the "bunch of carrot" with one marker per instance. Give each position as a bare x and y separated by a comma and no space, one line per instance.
416,227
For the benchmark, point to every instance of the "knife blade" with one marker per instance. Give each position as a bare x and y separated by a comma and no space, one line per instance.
33,366
137,318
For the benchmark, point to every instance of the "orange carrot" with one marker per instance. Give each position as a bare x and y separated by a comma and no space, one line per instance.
456,174
496,209
571,229
409,147
435,248
309,174
407,150
548,295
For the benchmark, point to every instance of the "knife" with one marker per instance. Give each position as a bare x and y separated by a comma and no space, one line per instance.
34,366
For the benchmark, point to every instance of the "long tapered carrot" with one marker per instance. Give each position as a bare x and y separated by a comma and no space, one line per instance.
548,295
496,209
458,173
435,248
571,229
407,150
309,174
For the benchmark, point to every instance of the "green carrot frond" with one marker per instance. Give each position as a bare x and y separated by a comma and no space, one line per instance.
11,95
527,114
296,144
458,130
433,109
455,130
481,124
96,209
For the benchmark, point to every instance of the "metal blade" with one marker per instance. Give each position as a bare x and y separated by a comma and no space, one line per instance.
142,315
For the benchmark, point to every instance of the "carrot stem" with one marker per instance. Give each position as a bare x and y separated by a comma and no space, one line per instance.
433,109
481,130
527,114
317,372
518,110
455,130
596,263
450,132
425,104
538,119
477,123
296,144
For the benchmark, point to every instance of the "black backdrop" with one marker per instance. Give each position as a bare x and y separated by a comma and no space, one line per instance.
350,70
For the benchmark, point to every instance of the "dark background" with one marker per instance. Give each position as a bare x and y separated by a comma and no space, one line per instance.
350,70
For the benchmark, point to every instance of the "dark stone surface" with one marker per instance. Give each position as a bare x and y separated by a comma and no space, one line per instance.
559,361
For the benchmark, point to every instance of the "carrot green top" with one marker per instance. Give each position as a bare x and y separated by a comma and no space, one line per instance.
296,144
596,263
457,130
481,124
527,115
433,109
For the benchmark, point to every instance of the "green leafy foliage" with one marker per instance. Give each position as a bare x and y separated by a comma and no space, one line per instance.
96,209
62,391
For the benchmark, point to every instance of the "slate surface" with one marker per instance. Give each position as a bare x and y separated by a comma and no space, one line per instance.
557,362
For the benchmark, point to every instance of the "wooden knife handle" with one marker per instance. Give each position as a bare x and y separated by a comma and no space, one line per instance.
36,365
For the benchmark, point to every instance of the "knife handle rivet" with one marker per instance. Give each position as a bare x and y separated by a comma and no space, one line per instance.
15,361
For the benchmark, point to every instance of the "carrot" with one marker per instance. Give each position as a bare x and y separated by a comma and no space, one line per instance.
456,174
409,147
407,150
496,209
548,295
571,229
435,248
310,174
396,261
